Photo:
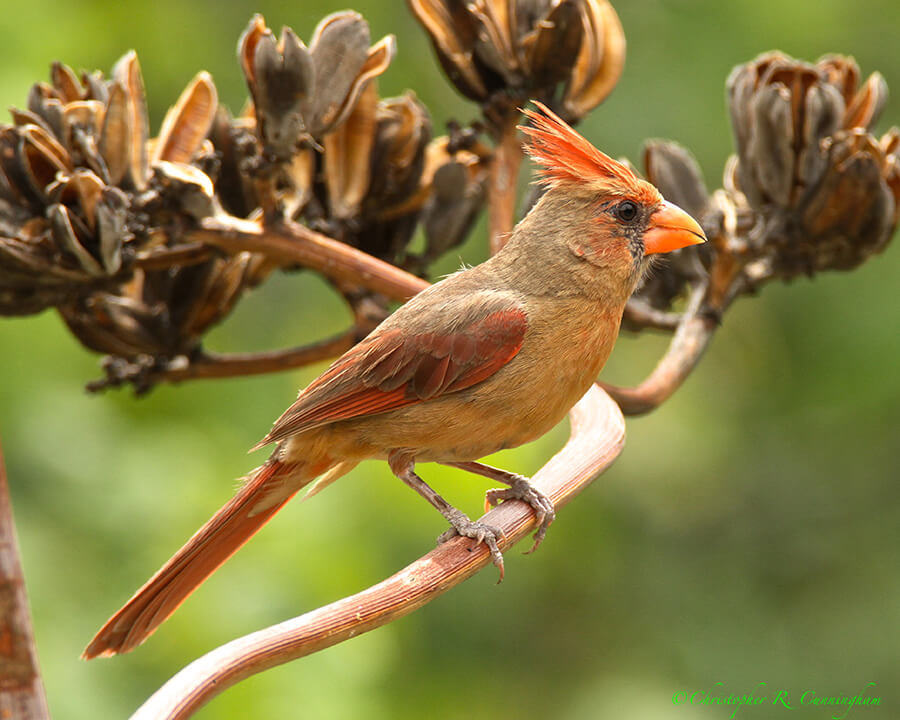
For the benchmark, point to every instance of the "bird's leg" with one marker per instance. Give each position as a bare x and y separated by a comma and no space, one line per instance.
520,488
402,465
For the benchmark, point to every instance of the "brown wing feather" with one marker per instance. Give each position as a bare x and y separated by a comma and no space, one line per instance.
392,369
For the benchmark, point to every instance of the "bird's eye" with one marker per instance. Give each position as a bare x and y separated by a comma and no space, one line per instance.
626,210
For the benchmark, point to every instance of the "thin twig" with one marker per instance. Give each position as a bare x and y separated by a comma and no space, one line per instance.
21,688
503,182
597,438
219,365
643,315
290,243
207,365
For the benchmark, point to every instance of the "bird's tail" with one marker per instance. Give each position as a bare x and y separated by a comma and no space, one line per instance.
262,495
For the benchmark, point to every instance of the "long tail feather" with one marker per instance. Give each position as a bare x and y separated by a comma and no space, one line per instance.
266,491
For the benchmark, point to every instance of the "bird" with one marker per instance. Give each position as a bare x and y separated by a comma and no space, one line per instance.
491,357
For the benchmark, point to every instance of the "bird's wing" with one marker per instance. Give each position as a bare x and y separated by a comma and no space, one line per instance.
393,368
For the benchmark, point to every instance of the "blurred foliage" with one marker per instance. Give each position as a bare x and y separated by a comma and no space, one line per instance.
748,533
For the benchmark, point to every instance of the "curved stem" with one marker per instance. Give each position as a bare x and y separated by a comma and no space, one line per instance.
688,344
21,688
217,365
597,438
503,183
207,365
641,314
289,243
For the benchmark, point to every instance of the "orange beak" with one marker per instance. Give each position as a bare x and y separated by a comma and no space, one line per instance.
671,228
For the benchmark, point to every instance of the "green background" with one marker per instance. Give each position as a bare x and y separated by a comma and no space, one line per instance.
748,533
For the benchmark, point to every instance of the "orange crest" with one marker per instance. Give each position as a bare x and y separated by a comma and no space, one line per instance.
564,155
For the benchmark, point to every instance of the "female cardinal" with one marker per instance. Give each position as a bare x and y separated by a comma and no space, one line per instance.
489,358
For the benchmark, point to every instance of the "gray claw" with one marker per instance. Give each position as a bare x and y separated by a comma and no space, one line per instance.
480,533
522,489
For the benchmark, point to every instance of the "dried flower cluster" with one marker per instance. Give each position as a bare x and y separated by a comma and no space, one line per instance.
809,189
807,164
96,217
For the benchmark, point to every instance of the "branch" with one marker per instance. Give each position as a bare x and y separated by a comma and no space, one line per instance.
208,365
597,438
642,314
217,365
503,183
289,243
21,689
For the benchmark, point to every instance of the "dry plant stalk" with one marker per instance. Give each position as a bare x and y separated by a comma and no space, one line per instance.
21,688
597,438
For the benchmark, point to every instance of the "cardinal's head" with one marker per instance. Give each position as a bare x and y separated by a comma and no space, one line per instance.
604,214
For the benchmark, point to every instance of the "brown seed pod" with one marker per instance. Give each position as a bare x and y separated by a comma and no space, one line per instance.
188,122
300,94
508,51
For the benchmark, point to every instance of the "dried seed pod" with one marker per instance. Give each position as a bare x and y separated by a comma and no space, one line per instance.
112,228
551,45
225,284
865,107
507,51
187,123
83,120
338,50
375,209
279,76
65,82
346,157
44,102
456,185
29,162
62,225
234,144
402,132
387,219
108,323
453,31
600,61
300,173
81,191
117,135
849,215
301,94
41,159
127,73
95,86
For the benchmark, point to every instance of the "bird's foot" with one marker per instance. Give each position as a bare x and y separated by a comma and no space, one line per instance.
480,532
522,489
